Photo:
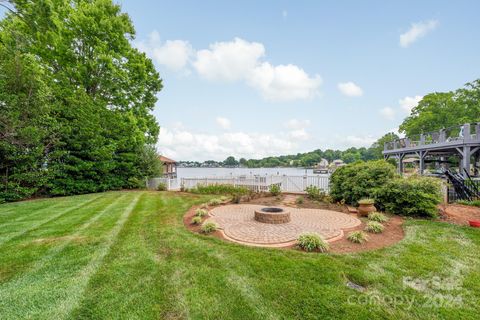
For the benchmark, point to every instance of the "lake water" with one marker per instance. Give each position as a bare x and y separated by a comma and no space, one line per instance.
226,172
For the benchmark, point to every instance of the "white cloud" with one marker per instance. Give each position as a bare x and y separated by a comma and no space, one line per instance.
174,54
283,82
228,60
408,103
350,89
240,60
417,31
224,123
388,113
295,124
299,134
360,141
182,144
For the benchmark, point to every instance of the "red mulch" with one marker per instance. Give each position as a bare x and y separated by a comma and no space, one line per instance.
459,214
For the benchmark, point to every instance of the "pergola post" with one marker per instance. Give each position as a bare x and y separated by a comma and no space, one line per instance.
422,162
400,163
465,164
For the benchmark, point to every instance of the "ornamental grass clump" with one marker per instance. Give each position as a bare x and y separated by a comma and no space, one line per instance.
275,190
299,200
201,213
196,220
209,227
312,242
357,237
366,201
374,227
215,202
377,216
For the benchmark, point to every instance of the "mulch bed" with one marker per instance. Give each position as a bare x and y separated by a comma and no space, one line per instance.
392,234
459,214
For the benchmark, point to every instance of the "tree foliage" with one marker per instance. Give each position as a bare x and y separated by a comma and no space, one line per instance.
76,100
444,109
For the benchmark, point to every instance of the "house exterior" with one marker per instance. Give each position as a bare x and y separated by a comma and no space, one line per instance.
169,167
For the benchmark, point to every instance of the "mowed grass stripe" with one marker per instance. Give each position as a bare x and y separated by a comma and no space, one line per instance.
76,291
21,211
35,293
57,244
50,218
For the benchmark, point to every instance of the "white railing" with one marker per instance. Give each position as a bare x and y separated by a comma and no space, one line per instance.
170,183
295,184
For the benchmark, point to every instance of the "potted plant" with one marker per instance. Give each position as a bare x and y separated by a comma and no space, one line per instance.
365,206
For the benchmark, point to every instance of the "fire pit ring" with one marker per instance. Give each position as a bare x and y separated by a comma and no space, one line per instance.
272,215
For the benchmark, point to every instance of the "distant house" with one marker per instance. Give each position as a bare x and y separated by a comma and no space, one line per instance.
169,167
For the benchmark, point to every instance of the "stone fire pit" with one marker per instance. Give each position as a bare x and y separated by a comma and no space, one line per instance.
272,215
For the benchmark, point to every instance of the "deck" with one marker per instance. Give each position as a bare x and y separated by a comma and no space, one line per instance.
462,141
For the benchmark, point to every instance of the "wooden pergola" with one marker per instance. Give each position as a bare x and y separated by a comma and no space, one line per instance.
462,141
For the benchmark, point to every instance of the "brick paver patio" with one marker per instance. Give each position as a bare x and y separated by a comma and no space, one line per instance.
238,225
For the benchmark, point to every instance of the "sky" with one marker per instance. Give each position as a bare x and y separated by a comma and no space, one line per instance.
259,78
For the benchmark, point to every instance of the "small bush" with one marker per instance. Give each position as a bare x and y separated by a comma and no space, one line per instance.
204,206
209,227
374,227
162,187
366,201
196,220
360,180
201,213
299,200
236,198
377,216
214,202
312,242
275,190
317,194
413,196
357,237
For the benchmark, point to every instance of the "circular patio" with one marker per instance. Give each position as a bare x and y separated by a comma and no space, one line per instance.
238,224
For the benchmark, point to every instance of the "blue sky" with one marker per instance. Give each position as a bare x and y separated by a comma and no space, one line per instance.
258,78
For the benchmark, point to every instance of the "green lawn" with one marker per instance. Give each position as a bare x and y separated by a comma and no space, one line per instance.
127,255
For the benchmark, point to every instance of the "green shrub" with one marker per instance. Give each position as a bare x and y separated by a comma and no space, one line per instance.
275,189
357,237
317,194
312,242
209,227
366,201
360,180
474,203
214,202
299,200
221,189
413,196
162,187
201,213
377,216
196,220
374,227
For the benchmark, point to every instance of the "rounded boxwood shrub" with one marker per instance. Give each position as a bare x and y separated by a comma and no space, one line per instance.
374,227
377,216
360,180
209,227
201,213
413,196
312,242
357,237
196,220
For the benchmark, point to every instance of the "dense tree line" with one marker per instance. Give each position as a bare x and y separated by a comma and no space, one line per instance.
75,100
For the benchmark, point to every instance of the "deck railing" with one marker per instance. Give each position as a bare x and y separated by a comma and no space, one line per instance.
464,133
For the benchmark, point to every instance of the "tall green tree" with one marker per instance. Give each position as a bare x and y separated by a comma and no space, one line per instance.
102,92
444,109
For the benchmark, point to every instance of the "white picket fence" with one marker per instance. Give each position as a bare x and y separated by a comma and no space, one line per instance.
294,184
